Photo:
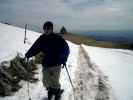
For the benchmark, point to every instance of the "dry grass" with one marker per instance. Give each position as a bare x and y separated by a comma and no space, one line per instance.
79,39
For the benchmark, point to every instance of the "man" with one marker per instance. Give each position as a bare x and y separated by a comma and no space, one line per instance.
56,51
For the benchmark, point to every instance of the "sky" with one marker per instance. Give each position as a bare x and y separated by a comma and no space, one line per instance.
75,15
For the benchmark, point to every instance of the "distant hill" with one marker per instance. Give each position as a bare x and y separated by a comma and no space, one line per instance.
80,39
112,36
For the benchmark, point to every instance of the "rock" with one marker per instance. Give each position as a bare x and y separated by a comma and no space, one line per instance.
5,88
5,64
6,75
11,72
19,69
15,87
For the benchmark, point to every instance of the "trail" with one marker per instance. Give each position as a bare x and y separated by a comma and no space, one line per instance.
90,82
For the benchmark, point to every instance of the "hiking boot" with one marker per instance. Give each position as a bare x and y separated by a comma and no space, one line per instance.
50,93
58,94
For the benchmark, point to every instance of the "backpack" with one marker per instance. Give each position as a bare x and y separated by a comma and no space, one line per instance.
65,51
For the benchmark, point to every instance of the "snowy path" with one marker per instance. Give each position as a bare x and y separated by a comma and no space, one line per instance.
90,82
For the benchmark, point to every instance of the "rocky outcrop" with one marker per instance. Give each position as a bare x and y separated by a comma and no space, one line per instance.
12,72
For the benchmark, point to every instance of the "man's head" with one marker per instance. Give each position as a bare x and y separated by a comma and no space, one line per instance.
48,27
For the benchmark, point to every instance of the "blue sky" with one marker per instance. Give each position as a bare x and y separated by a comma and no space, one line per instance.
75,15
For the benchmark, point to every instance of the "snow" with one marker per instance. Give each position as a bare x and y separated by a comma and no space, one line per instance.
114,63
118,66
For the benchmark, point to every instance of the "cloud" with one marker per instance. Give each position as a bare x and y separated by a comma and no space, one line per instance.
76,15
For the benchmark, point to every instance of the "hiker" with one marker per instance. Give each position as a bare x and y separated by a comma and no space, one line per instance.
56,51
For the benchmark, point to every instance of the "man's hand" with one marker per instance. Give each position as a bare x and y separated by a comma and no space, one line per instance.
63,65
27,63
26,59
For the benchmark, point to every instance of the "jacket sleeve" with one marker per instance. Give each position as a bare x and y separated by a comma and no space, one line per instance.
35,48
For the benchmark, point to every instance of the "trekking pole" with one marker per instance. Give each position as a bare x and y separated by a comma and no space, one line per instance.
25,34
69,76
27,61
70,82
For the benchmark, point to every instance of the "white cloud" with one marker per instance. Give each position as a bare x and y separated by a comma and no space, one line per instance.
74,14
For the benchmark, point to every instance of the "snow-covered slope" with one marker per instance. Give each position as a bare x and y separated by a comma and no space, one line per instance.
117,64
86,65
12,41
